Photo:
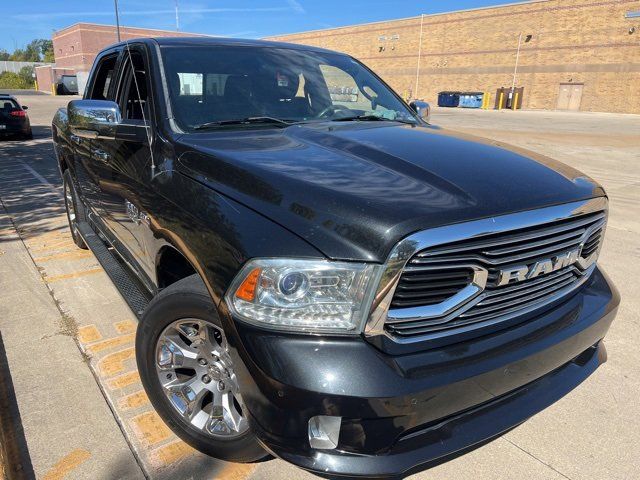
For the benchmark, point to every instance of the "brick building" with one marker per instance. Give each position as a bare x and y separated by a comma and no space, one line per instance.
574,54
75,48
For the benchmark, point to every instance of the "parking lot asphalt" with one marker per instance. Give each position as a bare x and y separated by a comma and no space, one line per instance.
51,290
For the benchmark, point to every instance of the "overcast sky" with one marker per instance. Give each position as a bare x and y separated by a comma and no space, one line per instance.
22,21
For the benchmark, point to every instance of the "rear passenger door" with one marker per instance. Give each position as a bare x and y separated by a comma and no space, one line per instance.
125,164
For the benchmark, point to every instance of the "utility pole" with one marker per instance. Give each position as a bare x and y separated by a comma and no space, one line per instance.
117,19
415,95
515,71
177,18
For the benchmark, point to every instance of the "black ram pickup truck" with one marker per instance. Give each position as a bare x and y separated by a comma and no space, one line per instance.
320,274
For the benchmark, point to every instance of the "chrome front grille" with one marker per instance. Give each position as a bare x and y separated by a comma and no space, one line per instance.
434,292
429,287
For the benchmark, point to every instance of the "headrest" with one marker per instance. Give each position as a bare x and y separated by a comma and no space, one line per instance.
237,85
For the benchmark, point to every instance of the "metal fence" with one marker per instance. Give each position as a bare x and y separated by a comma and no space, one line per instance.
15,67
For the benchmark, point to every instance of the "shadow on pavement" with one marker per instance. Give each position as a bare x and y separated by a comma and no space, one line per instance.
13,443
209,468
35,204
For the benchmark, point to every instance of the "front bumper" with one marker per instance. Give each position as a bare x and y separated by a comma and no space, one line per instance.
405,413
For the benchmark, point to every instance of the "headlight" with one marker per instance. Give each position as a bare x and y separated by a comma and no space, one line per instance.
304,295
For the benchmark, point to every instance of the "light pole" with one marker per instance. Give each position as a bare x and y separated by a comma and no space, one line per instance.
117,19
177,18
515,71
513,102
419,56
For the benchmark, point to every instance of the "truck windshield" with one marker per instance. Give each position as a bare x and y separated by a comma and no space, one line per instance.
218,86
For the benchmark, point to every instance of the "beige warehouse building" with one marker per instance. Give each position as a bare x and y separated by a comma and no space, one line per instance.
574,54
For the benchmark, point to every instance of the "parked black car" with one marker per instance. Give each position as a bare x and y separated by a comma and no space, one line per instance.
14,121
332,280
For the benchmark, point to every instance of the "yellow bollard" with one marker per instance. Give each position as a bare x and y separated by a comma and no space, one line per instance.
500,100
36,87
486,100
515,102
53,89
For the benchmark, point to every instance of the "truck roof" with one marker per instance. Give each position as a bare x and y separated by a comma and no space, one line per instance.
220,41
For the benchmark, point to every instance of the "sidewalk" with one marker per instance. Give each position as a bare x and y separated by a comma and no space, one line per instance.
54,390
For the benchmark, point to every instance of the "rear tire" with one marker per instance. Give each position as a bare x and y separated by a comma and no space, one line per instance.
75,209
180,341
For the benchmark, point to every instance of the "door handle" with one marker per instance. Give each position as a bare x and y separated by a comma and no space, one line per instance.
75,139
101,155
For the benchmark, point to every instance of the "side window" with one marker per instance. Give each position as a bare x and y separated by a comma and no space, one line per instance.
190,83
133,90
102,78
344,91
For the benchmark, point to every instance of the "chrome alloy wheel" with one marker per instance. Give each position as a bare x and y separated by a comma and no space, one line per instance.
196,373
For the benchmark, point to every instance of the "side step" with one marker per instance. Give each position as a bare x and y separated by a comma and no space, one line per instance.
133,293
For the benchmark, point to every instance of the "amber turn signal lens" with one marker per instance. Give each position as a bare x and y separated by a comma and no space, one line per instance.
247,289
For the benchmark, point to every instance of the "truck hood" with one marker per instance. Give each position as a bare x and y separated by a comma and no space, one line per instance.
353,190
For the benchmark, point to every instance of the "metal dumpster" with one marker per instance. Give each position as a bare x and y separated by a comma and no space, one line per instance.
471,99
448,99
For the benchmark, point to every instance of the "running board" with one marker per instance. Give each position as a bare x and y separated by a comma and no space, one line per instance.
129,288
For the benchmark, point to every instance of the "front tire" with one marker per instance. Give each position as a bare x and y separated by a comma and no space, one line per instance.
187,372
75,209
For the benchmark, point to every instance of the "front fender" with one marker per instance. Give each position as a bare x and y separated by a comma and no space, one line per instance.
215,234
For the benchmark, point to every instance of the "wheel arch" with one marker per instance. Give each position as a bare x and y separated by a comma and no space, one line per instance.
171,265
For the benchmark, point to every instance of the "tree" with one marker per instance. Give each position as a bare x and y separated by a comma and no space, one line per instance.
10,80
26,74
4,55
46,46
49,56
35,51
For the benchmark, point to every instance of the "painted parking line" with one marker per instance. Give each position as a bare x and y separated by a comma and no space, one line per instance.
67,464
123,381
125,326
88,334
72,255
115,363
41,179
134,400
150,429
55,245
171,453
65,276
111,343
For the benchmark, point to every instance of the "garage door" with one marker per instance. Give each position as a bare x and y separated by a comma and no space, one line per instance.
570,96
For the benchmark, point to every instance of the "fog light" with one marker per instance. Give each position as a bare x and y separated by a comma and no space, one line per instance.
324,432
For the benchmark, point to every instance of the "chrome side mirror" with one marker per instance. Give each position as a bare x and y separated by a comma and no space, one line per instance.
423,109
94,118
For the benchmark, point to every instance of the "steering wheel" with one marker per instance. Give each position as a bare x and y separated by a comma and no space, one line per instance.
332,109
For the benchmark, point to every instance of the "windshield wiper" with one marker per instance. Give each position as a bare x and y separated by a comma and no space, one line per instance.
370,118
243,121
